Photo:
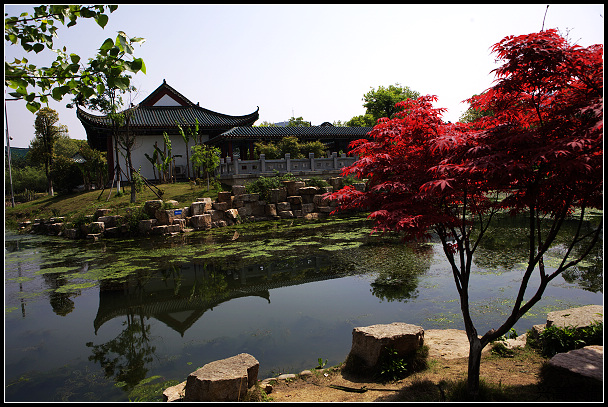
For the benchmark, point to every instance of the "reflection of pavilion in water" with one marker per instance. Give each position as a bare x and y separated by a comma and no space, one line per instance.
179,297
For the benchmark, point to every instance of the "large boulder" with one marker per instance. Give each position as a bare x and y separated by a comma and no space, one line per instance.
587,361
110,221
576,375
223,380
575,317
239,190
151,206
145,225
201,222
579,317
371,342
224,196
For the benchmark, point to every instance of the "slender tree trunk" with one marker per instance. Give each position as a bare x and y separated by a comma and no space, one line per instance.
133,185
49,179
117,166
475,349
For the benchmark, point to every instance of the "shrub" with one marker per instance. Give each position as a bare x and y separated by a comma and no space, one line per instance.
263,185
30,179
133,217
556,340
317,182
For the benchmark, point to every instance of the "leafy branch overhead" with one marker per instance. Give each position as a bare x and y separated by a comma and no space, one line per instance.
66,75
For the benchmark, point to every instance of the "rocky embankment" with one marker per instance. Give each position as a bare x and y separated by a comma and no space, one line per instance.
158,217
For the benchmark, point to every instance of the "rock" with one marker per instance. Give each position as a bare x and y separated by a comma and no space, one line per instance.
232,214
97,227
244,211
285,214
110,221
72,233
223,380
283,206
221,206
575,317
586,362
576,375
216,215
145,225
518,342
293,186
224,196
175,393
104,212
201,222
250,197
164,216
256,208
308,191
150,207
448,343
270,210
238,190
286,376
295,200
335,182
369,343
206,205
305,373
277,195
55,228
307,208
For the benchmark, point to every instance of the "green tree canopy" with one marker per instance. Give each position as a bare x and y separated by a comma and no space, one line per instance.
381,102
291,145
472,114
47,132
297,122
364,120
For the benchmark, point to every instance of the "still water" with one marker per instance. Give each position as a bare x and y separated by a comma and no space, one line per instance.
100,321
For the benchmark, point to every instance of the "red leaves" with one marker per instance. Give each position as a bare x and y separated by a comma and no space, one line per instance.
541,147
432,186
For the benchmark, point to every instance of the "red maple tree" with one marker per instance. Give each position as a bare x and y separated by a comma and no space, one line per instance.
539,155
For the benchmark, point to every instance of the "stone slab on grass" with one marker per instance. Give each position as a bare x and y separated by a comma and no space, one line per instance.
586,362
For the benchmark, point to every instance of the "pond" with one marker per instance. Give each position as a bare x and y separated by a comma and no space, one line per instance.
116,320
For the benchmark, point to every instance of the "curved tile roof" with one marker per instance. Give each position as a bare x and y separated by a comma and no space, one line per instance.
306,132
166,117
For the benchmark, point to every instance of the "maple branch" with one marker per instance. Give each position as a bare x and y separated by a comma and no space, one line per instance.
543,27
576,240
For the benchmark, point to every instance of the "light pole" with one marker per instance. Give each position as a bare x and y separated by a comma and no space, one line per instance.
8,145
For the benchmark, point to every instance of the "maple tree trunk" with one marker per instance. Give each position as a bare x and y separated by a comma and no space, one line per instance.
474,368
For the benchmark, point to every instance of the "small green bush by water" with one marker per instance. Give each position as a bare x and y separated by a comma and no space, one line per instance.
556,340
263,185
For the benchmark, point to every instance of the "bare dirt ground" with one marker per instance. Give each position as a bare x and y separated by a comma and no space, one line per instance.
448,350
422,386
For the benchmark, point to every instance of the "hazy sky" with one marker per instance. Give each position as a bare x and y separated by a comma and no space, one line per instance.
315,61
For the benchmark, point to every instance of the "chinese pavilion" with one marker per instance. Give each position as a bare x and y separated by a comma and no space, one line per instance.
165,109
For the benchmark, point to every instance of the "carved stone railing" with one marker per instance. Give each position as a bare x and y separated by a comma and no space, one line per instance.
334,163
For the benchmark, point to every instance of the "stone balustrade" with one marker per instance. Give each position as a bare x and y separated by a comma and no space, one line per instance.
302,166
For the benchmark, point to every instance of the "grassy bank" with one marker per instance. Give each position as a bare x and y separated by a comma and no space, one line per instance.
71,206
